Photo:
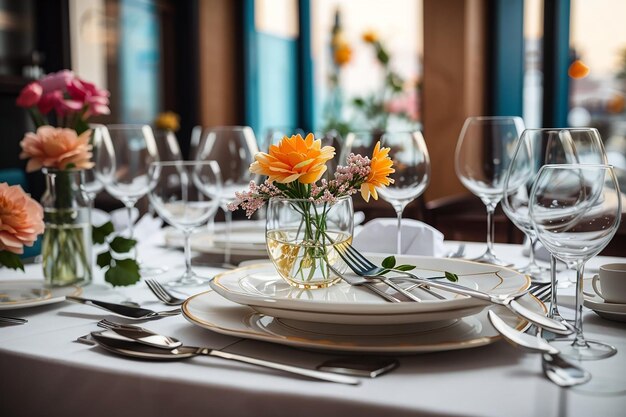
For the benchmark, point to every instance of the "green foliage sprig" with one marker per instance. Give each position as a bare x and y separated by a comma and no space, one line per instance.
389,263
120,271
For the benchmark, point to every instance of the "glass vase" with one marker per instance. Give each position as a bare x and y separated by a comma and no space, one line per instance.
66,248
302,238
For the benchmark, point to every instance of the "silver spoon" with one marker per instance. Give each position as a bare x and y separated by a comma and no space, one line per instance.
555,368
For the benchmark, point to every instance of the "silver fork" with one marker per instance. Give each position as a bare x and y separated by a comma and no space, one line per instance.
162,294
365,268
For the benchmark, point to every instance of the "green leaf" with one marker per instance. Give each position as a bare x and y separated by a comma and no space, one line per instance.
125,272
382,55
100,233
11,260
104,259
389,262
359,102
451,277
404,267
121,244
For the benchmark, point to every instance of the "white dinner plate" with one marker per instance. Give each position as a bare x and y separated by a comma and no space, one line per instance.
213,312
32,293
247,239
260,286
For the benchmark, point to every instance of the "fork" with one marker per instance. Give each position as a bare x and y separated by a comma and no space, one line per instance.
365,268
162,294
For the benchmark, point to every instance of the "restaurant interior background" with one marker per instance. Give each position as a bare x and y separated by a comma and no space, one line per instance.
311,64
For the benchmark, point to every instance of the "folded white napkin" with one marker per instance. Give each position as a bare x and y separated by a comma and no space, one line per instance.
418,238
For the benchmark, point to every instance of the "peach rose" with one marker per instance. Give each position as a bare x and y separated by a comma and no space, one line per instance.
58,148
294,159
21,219
380,168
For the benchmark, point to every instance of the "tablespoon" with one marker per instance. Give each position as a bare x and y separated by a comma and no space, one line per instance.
555,368
115,343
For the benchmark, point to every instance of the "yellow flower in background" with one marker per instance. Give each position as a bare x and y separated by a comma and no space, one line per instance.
294,159
578,70
370,36
380,168
343,54
168,121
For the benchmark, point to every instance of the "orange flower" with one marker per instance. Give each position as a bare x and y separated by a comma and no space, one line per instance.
370,36
167,121
58,148
343,54
21,219
578,70
380,168
294,159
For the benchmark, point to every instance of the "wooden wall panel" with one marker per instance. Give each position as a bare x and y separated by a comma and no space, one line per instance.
454,81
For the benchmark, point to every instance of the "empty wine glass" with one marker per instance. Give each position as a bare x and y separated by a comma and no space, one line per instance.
575,211
101,146
483,154
179,194
538,147
124,169
412,172
233,148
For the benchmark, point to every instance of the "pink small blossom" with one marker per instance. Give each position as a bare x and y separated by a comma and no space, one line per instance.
56,81
55,100
30,95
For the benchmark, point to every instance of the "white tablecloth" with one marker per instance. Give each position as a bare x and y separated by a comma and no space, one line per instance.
45,373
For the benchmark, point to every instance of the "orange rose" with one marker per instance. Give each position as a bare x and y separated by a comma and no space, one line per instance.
370,36
21,219
578,70
380,168
343,54
56,148
294,159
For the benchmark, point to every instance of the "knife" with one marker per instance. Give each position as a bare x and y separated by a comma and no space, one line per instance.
123,310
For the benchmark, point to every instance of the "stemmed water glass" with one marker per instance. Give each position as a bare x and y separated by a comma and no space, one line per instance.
124,169
538,147
233,148
412,172
101,146
576,210
186,195
483,153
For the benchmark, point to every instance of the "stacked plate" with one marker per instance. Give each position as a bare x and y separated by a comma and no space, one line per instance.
31,293
254,302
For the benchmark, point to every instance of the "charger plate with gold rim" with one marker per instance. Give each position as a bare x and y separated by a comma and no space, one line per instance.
213,312
26,293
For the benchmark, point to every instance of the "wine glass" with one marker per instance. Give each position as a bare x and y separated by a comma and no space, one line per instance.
233,148
100,146
538,147
179,196
575,211
124,168
412,172
483,153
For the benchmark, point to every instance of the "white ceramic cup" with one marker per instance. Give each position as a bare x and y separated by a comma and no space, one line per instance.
612,279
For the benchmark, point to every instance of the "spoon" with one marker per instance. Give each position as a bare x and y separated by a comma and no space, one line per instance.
555,368
121,345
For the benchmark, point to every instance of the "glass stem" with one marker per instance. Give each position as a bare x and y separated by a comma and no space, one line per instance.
491,208
399,241
579,341
131,225
554,283
531,251
228,216
188,271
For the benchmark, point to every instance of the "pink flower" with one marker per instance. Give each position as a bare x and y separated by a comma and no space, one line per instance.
55,100
56,81
21,219
96,100
56,148
30,95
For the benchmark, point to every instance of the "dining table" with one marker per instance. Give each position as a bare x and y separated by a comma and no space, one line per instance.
45,372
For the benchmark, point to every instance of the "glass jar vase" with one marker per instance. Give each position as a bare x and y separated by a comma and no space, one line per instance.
66,248
302,236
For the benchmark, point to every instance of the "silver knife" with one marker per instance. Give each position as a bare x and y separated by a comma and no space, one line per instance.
123,310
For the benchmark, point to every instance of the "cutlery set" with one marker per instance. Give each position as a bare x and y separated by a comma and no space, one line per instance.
138,342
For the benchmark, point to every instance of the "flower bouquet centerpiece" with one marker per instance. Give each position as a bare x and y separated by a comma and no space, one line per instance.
308,216
63,152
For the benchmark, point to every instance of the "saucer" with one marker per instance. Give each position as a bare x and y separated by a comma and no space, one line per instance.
611,311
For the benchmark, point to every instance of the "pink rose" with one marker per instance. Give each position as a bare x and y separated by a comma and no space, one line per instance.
56,81
21,219
56,148
97,100
30,95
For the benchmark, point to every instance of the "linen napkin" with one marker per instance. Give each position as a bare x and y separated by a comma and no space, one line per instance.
418,238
